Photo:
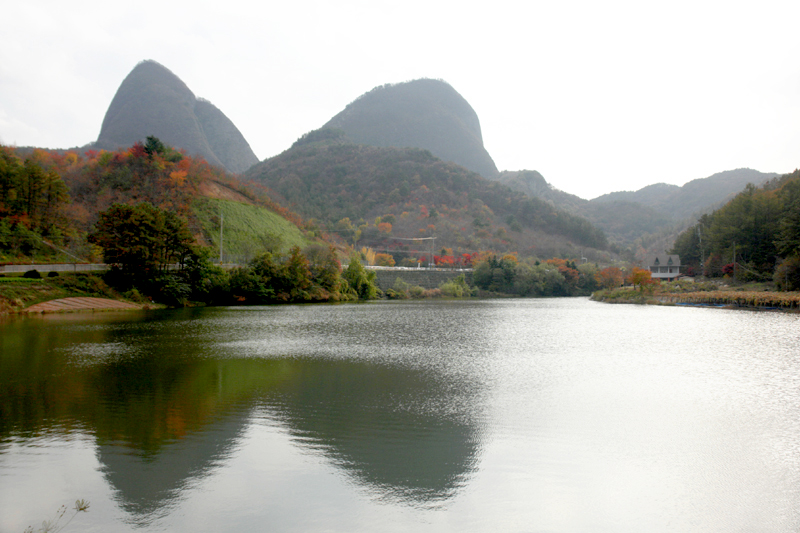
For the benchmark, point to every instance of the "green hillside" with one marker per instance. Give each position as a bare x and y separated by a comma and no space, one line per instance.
247,229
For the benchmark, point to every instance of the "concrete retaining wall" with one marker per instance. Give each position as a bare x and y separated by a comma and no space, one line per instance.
428,279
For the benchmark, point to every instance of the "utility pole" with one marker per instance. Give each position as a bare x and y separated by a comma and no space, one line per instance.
734,262
221,222
702,252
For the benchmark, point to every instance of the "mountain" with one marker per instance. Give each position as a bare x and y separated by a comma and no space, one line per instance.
693,198
532,183
424,113
628,216
410,193
154,101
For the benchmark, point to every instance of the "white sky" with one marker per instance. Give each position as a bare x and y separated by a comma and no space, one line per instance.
597,96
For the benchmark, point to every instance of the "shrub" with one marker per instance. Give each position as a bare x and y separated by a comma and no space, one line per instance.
361,281
395,295
384,260
456,287
135,296
172,290
32,274
417,292
787,274
399,290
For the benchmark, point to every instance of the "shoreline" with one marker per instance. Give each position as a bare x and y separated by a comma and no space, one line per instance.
720,299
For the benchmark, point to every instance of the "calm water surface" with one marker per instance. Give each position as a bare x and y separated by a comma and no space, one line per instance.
550,415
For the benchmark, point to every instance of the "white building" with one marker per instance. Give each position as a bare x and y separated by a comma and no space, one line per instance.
667,267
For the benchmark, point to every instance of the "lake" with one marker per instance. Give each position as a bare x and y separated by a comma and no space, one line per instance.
529,415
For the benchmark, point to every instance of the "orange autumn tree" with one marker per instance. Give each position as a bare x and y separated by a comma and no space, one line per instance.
384,260
642,279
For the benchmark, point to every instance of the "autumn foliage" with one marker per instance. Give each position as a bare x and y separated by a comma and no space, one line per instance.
58,195
610,278
641,279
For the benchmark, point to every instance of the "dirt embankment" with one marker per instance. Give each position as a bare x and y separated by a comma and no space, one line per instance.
80,304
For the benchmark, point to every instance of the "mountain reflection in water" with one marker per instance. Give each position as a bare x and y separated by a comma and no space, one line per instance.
167,406
516,415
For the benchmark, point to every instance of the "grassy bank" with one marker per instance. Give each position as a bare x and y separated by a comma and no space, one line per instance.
682,293
756,299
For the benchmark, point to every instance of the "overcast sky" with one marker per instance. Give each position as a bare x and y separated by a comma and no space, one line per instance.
597,96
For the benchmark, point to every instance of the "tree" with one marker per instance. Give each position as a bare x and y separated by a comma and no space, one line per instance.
361,281
297,275
749,223
384,260
31,193
10,176
495,274
610,278
642,279
788,236
154,147
141,240
325,268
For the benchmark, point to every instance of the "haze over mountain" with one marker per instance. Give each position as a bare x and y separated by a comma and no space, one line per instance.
693,197
626,216
154,101
424,113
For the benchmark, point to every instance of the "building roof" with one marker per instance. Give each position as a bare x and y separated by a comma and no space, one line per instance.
664,260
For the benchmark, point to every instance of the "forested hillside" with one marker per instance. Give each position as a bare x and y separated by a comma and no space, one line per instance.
347,187
534,185
425,113
50,200
755,236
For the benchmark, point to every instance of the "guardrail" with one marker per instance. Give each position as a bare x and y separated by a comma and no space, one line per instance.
417,269
57,267
81,267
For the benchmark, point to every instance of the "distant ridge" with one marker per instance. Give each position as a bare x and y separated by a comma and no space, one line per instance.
424,113
153,101
697,196
658,208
